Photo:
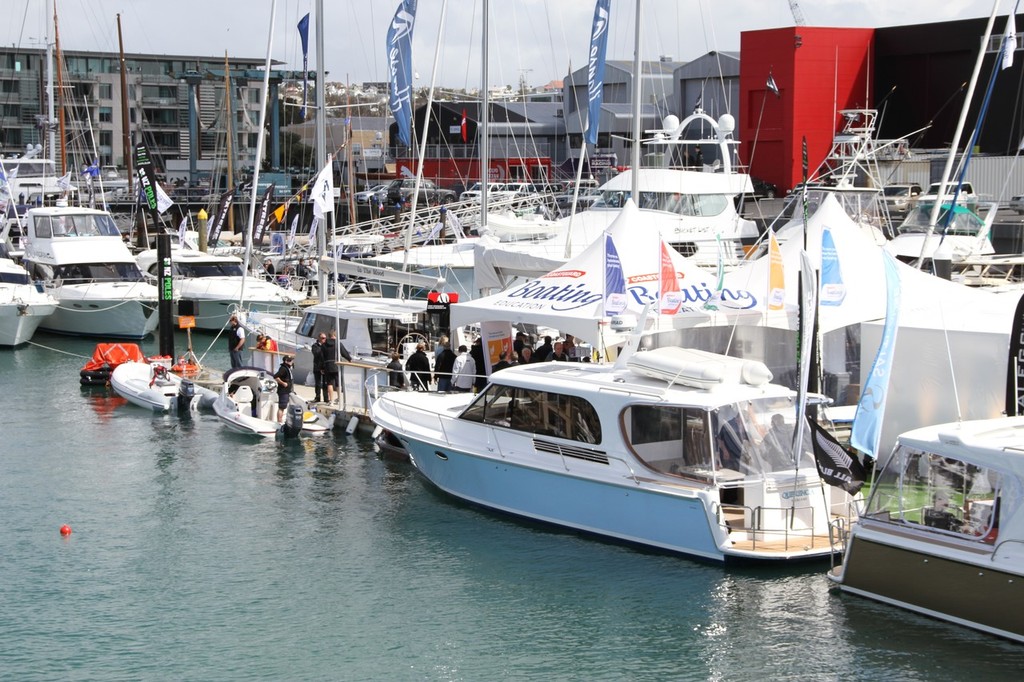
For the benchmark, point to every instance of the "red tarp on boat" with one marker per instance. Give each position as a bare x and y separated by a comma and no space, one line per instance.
112,355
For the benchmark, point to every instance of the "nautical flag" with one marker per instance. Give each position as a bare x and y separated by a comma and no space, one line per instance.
1015,367
867,422
464,128
833,290
670,300
595,68
772,86
836,466
697,105
312,233
163,202
280,212
260,226
304,37
614,280
808,309
64,181
181,231
294,229
1009,41
322,193
399,58
776,274
222,216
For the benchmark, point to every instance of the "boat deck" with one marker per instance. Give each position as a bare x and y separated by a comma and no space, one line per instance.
793,543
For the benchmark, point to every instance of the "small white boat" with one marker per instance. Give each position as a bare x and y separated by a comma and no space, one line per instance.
943,530
22,306
248,404
679,450
151,386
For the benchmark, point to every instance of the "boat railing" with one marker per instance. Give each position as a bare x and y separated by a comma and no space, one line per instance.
760,533
1001,544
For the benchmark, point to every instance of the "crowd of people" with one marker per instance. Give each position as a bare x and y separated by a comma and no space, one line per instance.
465,369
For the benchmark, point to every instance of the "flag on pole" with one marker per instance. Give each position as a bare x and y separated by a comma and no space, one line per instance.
222,215
1009,41
259,228
304,37
833,290
312,232
322,192
866,432
776,274
595,68
614,280
293,231
181,231
772,86
64,181
836,466
670,300
464,128
399,58
163,202
699,103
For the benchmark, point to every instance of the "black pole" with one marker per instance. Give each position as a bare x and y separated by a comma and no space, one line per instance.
164,272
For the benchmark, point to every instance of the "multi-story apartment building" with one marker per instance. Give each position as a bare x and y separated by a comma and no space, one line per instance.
157,100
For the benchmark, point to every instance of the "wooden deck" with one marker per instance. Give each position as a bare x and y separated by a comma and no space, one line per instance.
794,543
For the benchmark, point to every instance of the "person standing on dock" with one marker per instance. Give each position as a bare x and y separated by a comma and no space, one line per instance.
318,352
236,341
418,366
465,371
333,349
444,366
285,386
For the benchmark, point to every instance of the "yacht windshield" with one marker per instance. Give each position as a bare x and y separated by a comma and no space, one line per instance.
14,277
963,222
224,269
86,273
76,225
943,495
695,205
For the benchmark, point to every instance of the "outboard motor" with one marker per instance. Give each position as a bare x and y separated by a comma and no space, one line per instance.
186,398
293,421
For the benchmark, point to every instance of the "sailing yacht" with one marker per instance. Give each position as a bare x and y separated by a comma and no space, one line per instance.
79,256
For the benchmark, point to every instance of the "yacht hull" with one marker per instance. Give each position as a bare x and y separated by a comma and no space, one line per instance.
125,317
899,573
18,323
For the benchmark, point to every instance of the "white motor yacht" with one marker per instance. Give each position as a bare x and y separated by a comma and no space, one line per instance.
81,259
22,306
943,531
682,451
210,287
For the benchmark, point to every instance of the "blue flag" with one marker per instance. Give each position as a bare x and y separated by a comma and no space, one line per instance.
833,290
867,422
614,280
399,58
304,36
595,68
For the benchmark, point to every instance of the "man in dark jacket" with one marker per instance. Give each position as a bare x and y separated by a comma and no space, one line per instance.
443,367
333,349
543,352
317,349
477,352
418,366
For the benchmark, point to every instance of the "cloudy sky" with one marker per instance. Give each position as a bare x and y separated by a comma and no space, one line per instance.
533,39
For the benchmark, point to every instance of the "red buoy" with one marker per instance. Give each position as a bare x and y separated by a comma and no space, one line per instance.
65,530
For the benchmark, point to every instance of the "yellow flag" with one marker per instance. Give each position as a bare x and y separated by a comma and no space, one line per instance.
279,213
776,276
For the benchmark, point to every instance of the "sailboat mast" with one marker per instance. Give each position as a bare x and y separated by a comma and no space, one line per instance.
321,145
52,135
126,142
60,93
229,148
637,89
350,186
485,120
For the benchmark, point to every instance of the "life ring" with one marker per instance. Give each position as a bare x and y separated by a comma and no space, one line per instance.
186,369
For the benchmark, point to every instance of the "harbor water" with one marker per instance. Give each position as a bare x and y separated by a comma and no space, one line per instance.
198,554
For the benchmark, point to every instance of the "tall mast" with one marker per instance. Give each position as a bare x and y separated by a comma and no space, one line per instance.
126,135
637,90
350,186
485,120
51,133
321,145
60,93
229,148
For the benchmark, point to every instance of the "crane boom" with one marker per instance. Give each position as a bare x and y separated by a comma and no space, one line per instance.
798,15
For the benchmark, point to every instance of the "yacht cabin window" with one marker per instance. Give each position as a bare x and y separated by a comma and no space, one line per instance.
690,205
942,495
313,325
541,413
75,225
86,273
14,277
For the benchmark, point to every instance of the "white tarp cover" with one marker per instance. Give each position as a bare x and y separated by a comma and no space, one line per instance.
570,298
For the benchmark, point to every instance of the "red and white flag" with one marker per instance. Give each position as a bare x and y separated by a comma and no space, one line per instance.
464,128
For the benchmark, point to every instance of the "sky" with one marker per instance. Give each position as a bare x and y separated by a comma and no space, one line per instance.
532,40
